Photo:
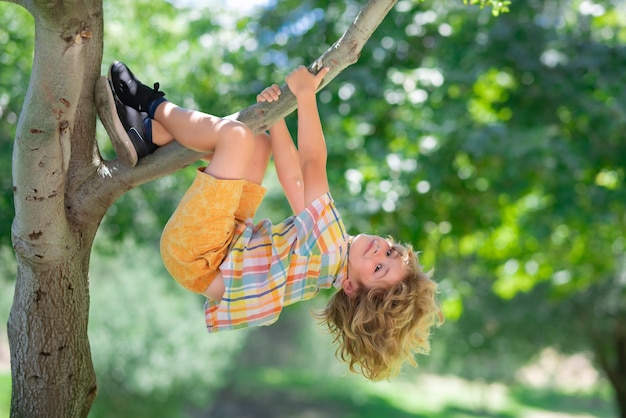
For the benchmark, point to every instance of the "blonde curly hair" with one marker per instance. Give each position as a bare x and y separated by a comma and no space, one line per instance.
378,330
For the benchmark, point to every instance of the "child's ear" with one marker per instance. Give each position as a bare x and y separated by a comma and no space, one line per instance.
348,287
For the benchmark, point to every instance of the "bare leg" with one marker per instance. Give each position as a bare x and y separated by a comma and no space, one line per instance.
193,129
160,135
237,153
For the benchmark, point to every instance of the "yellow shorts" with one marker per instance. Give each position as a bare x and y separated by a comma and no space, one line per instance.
195,240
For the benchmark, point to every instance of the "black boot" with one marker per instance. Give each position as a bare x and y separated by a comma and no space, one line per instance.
132,92
129,129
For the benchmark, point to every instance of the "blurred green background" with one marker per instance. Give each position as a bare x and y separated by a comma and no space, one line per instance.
494,145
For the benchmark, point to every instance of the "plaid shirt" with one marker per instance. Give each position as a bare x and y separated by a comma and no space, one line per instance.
272,266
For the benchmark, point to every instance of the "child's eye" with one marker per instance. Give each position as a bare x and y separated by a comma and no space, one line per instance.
389,252
378,267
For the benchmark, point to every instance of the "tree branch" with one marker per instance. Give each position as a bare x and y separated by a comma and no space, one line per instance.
258,117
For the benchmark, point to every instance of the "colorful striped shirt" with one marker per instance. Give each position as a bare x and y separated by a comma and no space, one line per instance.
271,266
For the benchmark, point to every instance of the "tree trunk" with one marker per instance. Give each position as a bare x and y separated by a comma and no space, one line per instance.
52,372
62,189
51,367
610,352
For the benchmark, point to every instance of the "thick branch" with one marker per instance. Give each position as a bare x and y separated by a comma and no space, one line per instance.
258,117
43,141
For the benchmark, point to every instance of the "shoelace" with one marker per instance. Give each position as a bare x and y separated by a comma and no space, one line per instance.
156,88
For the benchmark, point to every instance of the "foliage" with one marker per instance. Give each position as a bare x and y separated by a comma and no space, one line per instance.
150,348
495,146
497,6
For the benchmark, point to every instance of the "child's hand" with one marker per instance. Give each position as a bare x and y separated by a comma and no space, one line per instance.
269,94
301,81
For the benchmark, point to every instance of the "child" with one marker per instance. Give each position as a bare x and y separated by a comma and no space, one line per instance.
384,305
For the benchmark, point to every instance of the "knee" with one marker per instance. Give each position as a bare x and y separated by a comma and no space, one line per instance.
238,133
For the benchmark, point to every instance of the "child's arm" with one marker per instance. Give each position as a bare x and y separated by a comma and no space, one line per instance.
286,156
311,143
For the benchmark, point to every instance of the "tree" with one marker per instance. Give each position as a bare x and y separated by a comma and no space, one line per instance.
511,197
63,188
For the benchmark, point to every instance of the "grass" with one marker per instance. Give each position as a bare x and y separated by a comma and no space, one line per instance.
5,395
271,392
294,395
593,404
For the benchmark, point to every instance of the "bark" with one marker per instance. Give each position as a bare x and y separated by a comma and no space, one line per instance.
51,367
62,189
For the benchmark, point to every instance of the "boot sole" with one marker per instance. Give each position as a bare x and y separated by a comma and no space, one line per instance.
105,104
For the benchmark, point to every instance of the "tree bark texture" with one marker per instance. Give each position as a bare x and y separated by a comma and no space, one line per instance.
63,187
51,367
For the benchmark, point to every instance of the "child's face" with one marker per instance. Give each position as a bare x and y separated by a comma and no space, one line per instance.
372,263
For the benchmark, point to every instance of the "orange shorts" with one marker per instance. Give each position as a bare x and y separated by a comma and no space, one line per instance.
195,240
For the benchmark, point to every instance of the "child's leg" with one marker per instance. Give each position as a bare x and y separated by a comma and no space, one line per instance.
195,240
160,135
191,128
237,153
